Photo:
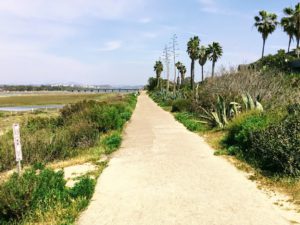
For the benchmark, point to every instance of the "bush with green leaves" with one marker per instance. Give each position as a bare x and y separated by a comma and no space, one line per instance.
277,148
38,189
268,141
84,188
279,61
112,142
241,128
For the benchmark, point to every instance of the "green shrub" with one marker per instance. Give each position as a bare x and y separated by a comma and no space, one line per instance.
270,142
21,195
277,148
84,188
242,126
279,61
40,190
112,142
38,123
106,118
82,134
181,105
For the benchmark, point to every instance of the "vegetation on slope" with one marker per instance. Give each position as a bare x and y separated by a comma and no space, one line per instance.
40,195
76,129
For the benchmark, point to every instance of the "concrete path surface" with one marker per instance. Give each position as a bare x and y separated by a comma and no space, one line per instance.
166,175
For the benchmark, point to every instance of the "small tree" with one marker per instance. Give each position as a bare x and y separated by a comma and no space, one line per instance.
215,52
158,68
266,24
203,56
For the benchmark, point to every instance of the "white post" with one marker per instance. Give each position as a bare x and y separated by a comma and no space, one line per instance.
18,147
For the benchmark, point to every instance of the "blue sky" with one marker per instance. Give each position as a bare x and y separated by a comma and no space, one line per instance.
117,41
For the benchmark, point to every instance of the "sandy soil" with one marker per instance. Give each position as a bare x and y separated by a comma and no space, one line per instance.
166,175
71,173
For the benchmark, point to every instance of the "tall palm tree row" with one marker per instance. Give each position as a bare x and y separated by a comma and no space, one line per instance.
266,24
293,17
215,51
193,47
158,68
203,56
289,28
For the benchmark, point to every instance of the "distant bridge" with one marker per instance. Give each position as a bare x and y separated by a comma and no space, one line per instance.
107,90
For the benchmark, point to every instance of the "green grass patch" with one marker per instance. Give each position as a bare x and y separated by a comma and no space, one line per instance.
191,122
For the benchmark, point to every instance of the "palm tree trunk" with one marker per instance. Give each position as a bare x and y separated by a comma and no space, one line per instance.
263,49
213,69
181,79
192,73
202,71
290,40
157,80
298,39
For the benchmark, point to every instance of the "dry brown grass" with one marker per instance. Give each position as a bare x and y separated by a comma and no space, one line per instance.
275,89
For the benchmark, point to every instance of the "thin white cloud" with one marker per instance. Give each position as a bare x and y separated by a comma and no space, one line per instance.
209,6
145,20
110,46
150,35
69,10
212,7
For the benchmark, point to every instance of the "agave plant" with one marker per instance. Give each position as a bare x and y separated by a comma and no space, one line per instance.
221,114
250,104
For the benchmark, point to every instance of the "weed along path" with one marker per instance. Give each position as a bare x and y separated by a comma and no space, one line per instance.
165,175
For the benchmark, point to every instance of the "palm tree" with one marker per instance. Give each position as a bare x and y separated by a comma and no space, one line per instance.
158,68
203,55
182,70
193,51
266,24
215,52
182,73
294,15
289,28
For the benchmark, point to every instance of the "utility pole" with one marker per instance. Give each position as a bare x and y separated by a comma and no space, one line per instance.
166,58
174,50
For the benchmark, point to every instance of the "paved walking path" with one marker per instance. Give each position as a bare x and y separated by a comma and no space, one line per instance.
166,175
